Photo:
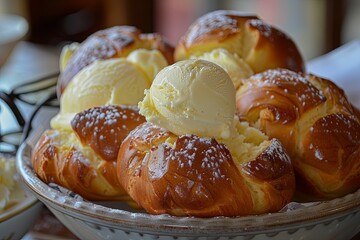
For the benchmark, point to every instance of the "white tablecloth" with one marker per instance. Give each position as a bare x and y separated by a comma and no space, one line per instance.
343,67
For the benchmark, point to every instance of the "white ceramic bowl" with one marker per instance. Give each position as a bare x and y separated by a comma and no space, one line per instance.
16,221
336,219
13,28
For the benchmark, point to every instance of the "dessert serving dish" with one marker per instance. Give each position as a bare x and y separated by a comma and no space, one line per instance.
334,219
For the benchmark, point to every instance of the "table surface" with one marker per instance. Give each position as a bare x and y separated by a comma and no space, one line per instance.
30,61
27,63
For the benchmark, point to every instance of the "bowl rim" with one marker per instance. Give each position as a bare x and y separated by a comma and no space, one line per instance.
322,212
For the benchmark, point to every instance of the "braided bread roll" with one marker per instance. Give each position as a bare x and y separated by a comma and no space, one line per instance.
318,126
250,39
84,160
113,42
192,176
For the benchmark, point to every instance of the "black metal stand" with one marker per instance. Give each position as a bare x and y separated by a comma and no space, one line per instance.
36,94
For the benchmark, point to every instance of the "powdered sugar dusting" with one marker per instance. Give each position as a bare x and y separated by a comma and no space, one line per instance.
209,23
276,151
94,48
339,124
102,117
104,128
264,29
271,164
78,156
318,154
342,133
291,84
201,157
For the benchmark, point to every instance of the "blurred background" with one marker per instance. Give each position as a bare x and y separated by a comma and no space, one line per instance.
317,26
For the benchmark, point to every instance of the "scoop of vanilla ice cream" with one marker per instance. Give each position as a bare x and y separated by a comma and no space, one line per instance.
66,53
150,61
235,66
119,81
191,97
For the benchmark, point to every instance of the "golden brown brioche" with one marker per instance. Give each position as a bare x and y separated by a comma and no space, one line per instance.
113,42
261,45
192,176
84,160
316,123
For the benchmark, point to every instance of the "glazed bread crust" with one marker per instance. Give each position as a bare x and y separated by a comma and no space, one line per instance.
192,176
318,126
261,45
84,160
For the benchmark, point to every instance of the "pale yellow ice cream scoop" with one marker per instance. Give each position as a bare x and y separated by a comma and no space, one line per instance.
235,66
119,81
191,97
66,53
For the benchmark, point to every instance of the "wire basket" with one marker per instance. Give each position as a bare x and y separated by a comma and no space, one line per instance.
32,96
